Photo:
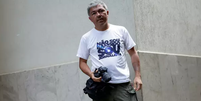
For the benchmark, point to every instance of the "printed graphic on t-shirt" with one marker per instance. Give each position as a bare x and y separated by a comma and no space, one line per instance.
108,48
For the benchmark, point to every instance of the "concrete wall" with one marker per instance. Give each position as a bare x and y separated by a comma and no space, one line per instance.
166,77
57,83
172,26
164,30
170,77
38,45
41,33
40,38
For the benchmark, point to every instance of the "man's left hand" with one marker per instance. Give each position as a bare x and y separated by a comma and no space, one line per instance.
137,83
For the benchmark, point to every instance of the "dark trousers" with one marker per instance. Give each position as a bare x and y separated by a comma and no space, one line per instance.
121,92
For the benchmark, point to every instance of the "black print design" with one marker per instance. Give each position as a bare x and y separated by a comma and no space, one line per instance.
108,48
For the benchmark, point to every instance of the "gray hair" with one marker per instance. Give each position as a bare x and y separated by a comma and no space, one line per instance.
95,3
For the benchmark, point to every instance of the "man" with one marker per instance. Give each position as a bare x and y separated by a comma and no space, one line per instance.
106,45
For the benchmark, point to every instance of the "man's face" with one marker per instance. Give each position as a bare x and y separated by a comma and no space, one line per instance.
98,15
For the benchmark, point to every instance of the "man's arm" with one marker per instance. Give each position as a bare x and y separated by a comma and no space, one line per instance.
85,68
136,65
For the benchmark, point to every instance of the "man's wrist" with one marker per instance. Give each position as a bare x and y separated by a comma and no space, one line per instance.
137,75
91,74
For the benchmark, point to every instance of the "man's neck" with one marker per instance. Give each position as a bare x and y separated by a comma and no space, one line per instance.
102,27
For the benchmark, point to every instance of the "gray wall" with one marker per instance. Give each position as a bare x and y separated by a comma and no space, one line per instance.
38,45
168,77
172,26
56,83
165,30
41,33
39,38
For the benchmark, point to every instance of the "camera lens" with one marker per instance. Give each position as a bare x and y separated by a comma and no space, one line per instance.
106,77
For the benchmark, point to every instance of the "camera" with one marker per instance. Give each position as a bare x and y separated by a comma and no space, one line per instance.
98,90
102,72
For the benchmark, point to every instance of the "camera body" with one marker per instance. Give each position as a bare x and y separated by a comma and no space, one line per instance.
102,72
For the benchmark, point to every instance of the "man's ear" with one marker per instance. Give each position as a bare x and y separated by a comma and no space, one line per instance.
89,18
107,12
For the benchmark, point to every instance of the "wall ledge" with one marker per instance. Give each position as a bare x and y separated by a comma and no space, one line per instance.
162,53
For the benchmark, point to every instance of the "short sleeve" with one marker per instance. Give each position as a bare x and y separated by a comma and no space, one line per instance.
83,52
128,41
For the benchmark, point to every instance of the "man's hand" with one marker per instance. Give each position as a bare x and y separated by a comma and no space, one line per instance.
85,68
137,83
95,79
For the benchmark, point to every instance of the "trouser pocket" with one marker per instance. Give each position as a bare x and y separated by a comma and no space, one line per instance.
132,93
130,89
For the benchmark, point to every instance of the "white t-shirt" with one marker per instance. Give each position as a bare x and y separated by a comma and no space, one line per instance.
107,49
